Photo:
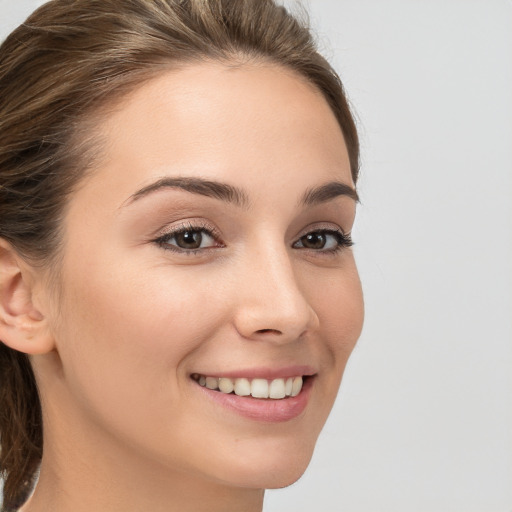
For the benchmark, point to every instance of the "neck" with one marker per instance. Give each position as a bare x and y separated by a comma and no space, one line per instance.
84,472
83,487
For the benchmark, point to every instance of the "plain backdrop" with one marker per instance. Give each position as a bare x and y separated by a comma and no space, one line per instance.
424,418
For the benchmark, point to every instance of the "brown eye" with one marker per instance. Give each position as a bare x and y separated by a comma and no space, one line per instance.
314,240
189,239
323,240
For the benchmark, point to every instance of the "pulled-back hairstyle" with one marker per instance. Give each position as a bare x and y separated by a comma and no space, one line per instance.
67,63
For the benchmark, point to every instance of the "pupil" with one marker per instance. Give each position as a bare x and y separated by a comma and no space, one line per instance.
189,239
314,241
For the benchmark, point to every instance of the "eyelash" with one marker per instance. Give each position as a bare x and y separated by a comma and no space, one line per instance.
163,240
344,240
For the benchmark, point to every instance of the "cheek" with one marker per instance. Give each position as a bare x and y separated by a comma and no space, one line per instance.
126,332
138,309
337,298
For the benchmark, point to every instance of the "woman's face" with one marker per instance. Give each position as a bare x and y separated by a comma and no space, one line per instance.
212,241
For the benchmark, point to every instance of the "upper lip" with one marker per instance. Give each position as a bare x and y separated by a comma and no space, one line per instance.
263,372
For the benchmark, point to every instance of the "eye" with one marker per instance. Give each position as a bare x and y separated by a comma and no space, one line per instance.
189,239
326,240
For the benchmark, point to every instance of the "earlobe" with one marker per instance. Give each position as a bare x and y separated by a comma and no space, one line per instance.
22,326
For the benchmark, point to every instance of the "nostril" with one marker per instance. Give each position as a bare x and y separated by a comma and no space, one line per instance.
268,331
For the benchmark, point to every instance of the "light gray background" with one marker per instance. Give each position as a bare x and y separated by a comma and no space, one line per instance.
424,419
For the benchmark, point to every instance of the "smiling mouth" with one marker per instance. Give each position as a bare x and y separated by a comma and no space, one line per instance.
275,389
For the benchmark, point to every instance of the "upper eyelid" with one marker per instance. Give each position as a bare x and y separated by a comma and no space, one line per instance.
188,226
200,226
323,226
203,225
339,231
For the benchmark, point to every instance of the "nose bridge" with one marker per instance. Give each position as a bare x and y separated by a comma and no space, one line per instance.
273,303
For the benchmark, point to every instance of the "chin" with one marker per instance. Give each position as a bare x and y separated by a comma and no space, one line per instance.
274,478
286,478
271,468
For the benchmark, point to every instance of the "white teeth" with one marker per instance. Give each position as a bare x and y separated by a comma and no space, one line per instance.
258,388
276,389
212,382
242,387
296,386
287,386
226,385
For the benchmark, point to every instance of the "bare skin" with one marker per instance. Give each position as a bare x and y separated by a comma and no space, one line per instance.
271,285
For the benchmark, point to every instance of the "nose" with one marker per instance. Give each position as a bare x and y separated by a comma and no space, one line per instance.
271,304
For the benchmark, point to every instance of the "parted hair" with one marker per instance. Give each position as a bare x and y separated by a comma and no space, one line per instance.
61,69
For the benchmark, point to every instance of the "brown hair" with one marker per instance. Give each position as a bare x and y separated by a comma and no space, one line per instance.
69,60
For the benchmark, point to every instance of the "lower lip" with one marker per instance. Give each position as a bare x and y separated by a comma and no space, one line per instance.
263,409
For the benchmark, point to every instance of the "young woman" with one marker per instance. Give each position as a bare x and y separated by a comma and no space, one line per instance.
178,296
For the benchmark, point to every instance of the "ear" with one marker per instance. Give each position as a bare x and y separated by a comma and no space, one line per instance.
22,326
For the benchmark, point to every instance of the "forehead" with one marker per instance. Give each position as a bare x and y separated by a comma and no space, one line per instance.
245,123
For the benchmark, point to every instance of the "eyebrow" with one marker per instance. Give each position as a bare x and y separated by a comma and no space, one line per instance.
200,186
329,191
237,196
